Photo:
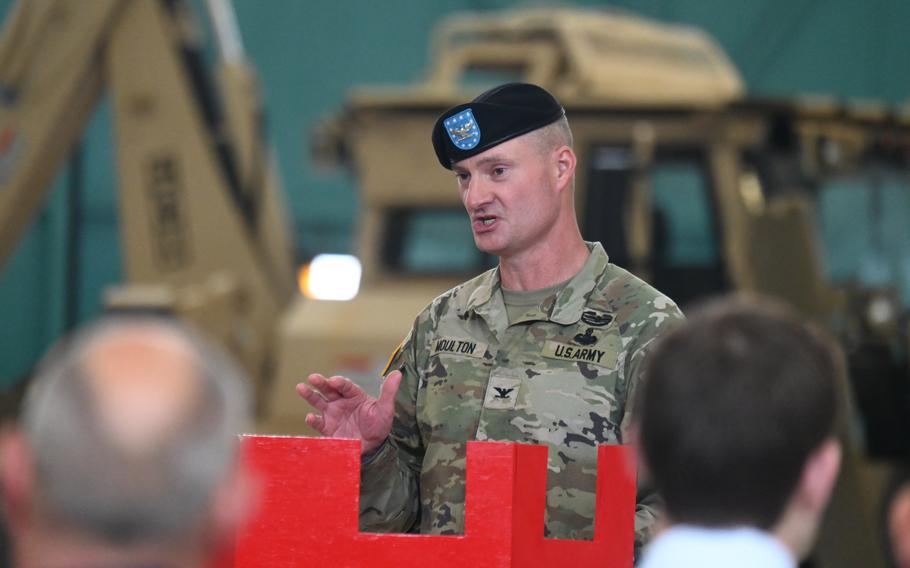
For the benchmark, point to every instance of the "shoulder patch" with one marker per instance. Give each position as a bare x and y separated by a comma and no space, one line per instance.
393,356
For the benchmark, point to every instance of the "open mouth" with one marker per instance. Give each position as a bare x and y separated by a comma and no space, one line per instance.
484,221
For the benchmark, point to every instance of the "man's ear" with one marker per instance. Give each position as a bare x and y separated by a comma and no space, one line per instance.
820,475
16,473
565,166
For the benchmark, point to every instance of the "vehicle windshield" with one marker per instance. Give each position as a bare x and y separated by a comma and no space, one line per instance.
431,242
864,222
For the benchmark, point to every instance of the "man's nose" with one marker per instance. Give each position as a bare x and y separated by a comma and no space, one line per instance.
478,194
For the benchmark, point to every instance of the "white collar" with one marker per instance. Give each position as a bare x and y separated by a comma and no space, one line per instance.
683,546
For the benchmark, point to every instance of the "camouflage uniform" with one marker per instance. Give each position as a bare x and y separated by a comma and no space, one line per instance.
560,375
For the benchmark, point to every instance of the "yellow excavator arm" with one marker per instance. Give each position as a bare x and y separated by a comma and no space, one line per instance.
201,218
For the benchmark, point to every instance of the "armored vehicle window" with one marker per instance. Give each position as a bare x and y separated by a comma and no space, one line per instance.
685,257
686,260
431,242
680,197
865,231
864,224
606,198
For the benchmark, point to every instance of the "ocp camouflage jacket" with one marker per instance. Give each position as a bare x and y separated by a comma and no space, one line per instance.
563,375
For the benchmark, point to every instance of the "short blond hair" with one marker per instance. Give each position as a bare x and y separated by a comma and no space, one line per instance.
553,135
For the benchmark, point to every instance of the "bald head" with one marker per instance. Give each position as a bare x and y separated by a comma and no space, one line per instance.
142,383
133,425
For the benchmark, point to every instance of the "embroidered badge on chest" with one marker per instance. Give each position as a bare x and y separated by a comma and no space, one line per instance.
597,318
502,393
586,338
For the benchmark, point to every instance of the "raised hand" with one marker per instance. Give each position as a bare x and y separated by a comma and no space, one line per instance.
347,411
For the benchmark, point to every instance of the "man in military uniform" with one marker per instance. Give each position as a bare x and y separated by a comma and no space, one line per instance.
547,348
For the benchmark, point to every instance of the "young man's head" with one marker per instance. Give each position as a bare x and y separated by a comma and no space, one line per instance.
127,442
511,152
737,418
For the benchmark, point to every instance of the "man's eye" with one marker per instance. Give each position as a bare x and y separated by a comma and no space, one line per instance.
498,171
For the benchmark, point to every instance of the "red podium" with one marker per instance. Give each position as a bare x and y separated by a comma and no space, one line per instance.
308,512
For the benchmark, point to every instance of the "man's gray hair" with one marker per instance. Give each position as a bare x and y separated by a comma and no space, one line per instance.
85,482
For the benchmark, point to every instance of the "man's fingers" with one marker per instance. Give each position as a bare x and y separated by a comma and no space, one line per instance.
312,397
316,379
388,391
317,382
341,387
327,387
316,422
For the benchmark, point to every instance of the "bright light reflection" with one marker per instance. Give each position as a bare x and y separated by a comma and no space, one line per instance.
331,277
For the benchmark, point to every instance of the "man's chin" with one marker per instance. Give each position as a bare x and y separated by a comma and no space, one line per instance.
488,246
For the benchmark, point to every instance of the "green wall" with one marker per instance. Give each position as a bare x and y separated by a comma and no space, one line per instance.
308,54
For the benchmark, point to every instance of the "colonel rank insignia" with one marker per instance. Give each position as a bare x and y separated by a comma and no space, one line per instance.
463,129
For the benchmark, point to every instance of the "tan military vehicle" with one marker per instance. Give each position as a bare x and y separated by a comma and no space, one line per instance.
686,181
202,222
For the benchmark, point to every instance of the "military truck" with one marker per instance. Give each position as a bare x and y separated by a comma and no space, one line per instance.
686,180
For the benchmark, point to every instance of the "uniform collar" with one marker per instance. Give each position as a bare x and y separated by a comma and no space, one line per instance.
486,298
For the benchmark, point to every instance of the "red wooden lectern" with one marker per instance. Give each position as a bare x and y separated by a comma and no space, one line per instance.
308,512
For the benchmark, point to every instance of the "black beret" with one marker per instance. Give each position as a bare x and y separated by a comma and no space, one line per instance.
498,115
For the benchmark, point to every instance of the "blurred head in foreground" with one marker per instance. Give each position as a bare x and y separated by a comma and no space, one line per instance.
896,517
126,450
737,424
